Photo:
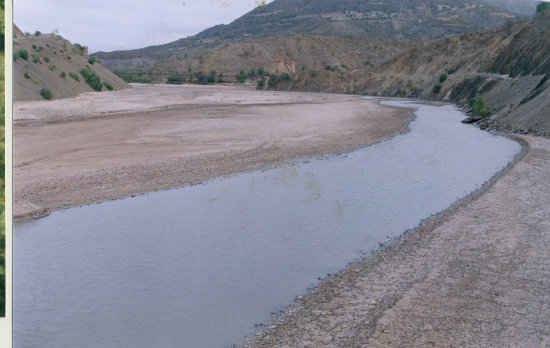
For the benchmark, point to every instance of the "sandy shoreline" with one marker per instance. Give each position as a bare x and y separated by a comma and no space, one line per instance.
102,146
476,274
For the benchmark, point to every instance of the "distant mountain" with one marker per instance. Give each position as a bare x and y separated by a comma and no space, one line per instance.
389,19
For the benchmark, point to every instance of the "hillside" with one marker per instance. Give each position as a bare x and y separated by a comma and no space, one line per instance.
309,52
49,62
391,19
508,68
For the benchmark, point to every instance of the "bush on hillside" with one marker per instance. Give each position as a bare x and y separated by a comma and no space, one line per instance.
313,73
91,78
23,54
442,77
368,63
174,80
242,76
35,58
220,78
543,6
63,74
436,89
284,76
478,106
46,93
74,76
27,75
46,59
51,67
91,60
108,85
37,33
261,72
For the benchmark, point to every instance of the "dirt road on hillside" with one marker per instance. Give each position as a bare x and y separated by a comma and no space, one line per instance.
100,146
477,275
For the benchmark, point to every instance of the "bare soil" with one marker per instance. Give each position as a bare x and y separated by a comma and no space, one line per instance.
476,275
100,146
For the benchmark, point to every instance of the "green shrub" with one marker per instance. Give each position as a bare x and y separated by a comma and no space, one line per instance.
108,85
91,60
37,33
63,74
51,67
74,76
91,78
211,78
242,76
261,72
451,71
46,93
201,77
436,89
252,73
23,54
344,66
543,6
368,63
78,49
284,76
15,56
442,77
260,82
46,59
35,58
313,73
27,75
329,68
34,47
174,80
220,78
478,106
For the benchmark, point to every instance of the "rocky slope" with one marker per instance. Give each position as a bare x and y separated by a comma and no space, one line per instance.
50,61
392,19
508,68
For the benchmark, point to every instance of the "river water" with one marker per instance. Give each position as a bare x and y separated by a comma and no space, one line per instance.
199,266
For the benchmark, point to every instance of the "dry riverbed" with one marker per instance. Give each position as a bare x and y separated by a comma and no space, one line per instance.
100,146
476,275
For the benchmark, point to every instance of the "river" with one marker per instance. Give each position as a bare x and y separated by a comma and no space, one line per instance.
199,266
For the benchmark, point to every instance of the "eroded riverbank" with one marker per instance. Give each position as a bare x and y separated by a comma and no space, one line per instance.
477,274
98,147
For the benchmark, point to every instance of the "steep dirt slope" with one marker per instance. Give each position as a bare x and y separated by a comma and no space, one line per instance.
49,56
509,68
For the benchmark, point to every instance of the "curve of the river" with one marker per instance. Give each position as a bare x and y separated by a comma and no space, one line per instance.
200,265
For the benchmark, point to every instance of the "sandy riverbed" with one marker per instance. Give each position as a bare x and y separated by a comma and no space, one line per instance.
100,146
476,275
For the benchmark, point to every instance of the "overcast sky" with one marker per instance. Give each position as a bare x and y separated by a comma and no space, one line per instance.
107,25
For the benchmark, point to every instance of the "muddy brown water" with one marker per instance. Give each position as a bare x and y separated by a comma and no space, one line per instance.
201,265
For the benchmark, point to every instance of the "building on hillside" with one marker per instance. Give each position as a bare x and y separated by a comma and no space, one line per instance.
280,66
